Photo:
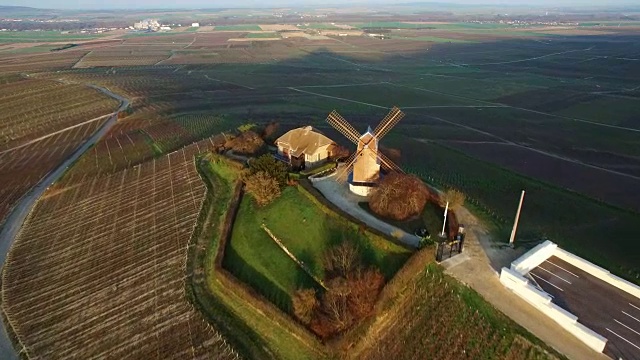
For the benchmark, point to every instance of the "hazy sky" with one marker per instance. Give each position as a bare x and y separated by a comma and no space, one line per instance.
128,4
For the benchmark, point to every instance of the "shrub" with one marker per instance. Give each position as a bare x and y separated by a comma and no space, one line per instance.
305,304
454,197
248,143
262,187
399,197
268,164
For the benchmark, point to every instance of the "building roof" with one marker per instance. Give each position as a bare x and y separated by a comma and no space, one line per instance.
304,140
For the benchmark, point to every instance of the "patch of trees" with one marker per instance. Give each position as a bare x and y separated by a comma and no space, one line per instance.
247,143
352,293
265,178
263,187
399,197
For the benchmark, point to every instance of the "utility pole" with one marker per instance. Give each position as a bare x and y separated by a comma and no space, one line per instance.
515,222
446,209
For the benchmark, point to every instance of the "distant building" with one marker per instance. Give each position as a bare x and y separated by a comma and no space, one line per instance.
304,147
195,25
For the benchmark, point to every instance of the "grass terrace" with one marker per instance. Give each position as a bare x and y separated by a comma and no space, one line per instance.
307,230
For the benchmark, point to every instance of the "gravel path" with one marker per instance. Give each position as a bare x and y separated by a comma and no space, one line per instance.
339,194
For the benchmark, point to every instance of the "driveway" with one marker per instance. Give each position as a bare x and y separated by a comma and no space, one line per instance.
339,194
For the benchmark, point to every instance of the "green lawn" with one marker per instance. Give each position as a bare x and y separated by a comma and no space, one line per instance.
267,35
307,231
237,28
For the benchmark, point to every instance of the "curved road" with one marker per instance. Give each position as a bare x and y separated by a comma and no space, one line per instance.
19,213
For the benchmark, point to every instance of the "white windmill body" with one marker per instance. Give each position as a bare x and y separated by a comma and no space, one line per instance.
365,164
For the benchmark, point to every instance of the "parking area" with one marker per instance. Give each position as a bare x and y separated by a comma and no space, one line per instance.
607,310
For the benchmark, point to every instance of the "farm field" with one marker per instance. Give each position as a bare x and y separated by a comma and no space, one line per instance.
33,139
131,272
453,322
307,232
490,110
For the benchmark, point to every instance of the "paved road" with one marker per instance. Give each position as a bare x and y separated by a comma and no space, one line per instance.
340,195
19,213
603,308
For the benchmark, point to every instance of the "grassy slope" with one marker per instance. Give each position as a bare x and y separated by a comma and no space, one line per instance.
258,331
307,232
434,314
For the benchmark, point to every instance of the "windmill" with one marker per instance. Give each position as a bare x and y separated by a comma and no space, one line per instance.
365,163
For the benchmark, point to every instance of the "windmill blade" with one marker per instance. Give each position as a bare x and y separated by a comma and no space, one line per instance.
340,124
388,164
392,118
340,174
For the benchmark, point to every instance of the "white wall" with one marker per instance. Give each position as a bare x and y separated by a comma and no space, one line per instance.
534,257
598,272
515,282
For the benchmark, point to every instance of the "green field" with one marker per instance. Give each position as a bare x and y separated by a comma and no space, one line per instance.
192,29
549,211
237,28
319,26
263,35
434,39
307,231
42,36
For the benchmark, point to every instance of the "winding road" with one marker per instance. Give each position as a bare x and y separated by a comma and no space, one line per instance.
19,213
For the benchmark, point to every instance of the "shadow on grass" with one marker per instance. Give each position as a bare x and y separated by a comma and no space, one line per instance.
249,275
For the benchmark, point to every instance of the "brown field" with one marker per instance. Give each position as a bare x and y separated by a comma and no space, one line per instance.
94,274
22,168
434,314
41,62
278,27
24,119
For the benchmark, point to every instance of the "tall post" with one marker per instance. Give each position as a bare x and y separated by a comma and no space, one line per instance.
515,222
446,209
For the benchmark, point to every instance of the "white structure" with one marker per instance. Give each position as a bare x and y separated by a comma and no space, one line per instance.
147,24
304,147
195,25
516,279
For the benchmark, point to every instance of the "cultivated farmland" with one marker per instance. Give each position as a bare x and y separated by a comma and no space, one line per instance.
103,262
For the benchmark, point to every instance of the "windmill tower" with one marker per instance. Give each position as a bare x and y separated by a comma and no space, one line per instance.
364,165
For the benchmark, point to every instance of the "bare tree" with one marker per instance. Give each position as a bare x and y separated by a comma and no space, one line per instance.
364,286
262,187
335,304
342,259
454,197
305,304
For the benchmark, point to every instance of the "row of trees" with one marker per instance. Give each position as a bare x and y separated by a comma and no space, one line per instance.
351,296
